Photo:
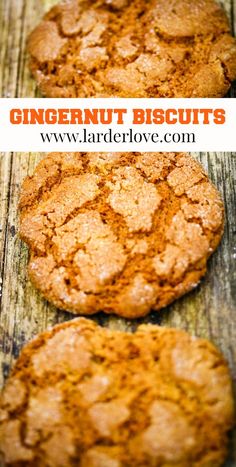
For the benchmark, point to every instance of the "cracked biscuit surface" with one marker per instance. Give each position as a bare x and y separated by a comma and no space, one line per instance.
124,48
119,232
89,396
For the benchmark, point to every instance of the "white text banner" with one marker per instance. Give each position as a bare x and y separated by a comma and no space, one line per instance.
109,125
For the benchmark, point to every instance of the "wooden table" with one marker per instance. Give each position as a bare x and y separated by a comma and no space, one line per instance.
210,311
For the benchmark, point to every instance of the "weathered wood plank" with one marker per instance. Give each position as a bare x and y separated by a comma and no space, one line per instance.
208,312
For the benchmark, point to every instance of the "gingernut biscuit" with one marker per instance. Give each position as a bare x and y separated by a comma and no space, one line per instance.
121,232
89,396
138,48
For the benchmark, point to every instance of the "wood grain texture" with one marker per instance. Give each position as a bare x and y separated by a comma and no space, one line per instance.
209,311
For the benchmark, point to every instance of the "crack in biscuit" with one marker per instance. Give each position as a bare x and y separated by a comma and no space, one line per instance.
133,198
102,257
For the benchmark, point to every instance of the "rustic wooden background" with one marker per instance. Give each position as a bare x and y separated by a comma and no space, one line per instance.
210,311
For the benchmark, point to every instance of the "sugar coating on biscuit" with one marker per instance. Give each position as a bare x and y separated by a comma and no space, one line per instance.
124,233
103,398
133,48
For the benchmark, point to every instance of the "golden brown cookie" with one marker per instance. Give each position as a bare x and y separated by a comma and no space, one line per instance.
135,48
121,232
89,396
